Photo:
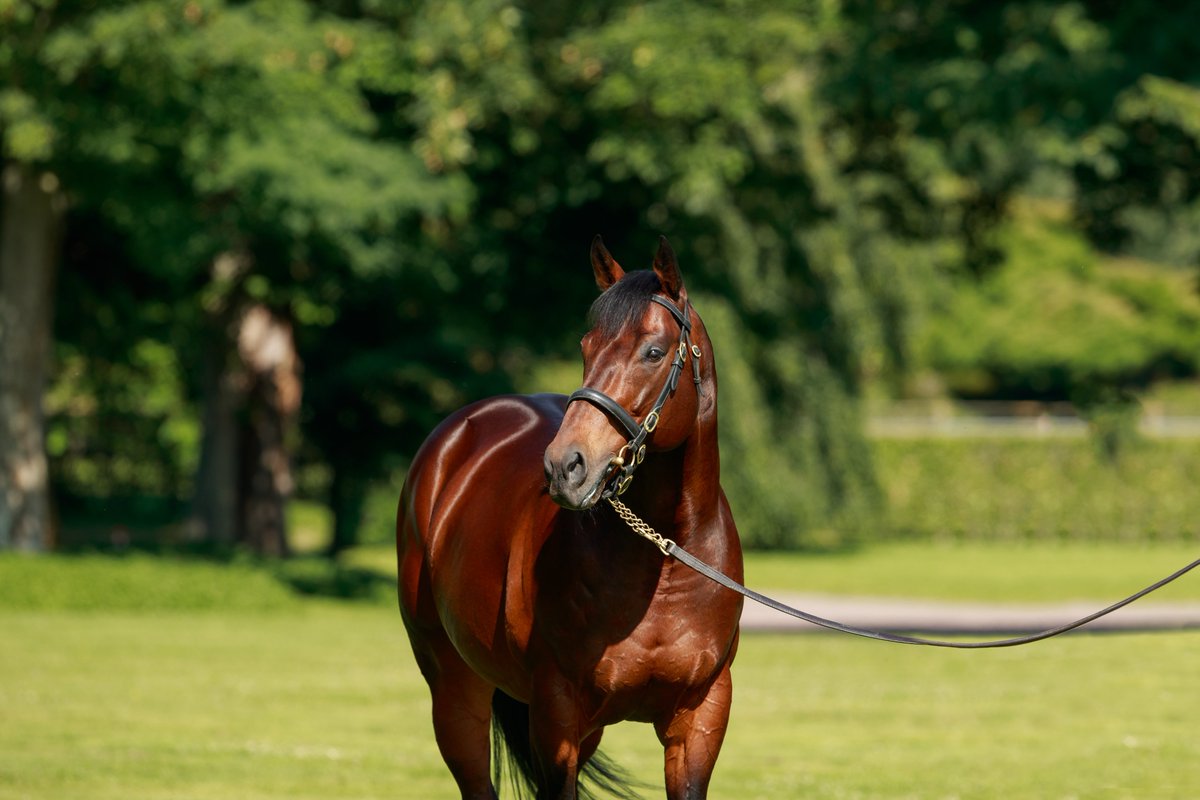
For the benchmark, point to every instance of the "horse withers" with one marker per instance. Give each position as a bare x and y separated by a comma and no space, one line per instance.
533,611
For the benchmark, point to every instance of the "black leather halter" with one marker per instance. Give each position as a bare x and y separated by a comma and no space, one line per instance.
631,455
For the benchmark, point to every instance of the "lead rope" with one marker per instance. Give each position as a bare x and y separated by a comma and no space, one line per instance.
671,549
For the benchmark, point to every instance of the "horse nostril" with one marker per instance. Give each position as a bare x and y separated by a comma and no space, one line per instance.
576,469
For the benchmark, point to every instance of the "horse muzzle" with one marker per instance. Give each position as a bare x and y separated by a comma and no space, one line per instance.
573,480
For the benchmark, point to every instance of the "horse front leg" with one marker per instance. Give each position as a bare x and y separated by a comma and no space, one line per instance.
692,739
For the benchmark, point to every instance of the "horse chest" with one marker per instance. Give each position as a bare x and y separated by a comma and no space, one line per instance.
667,642
670,657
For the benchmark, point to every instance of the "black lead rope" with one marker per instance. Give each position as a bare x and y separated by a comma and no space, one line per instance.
708,571
670,548
620,475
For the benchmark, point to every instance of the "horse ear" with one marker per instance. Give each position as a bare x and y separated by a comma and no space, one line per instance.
604,266
667,270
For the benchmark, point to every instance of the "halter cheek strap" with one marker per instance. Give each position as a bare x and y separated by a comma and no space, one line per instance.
633,452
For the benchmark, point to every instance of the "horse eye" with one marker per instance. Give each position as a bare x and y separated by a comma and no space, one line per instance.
655,354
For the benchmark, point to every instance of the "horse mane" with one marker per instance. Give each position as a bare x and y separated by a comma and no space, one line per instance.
623,303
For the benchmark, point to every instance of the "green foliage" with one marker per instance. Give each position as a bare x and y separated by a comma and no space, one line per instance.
995,490
121,426
785,478
1055,320
727,132
1137,167
414,186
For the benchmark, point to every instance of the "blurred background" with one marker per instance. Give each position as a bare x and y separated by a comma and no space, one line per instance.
254,251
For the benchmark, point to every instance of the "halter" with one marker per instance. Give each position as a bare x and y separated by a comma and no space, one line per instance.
633,452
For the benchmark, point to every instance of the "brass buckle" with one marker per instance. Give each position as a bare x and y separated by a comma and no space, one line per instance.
651,422
618,460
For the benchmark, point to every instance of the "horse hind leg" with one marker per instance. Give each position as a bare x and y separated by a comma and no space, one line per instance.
461,698
462,715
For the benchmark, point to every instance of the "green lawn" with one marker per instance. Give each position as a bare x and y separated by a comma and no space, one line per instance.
1010,572
282,697
324,702
1014,572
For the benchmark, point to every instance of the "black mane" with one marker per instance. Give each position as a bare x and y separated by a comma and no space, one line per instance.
623,303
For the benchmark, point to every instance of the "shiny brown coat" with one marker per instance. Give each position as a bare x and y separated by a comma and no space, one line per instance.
513,579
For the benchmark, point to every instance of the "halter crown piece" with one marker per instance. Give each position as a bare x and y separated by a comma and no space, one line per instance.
633,452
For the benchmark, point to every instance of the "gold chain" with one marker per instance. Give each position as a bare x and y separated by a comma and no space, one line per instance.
640,527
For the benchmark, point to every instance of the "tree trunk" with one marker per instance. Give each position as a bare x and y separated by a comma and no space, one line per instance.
32,209
267,348
214,519
252,389
214,514
348,496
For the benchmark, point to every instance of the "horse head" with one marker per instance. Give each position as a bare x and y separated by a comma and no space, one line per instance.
643,332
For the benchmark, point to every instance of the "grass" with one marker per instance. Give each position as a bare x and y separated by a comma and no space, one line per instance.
974,571
139,678
322,700
316,703
137,582
979,571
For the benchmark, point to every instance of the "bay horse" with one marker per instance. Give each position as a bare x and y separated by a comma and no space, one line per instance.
532,610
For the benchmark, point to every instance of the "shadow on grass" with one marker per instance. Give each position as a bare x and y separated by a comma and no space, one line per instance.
320,577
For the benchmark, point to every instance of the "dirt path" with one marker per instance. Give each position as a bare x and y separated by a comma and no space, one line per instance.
946,618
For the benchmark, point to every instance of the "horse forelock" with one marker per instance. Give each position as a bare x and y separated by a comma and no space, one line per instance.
623,303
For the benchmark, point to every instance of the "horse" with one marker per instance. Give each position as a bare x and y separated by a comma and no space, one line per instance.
534,614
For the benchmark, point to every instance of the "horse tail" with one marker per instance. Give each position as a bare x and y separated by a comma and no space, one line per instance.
512,757
512,752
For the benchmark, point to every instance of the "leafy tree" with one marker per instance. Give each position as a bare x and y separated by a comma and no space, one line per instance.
1073,100
1055,321
1137,166
314,228
233,149
586,119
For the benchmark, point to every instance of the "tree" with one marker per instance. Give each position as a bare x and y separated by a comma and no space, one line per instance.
232,147
393,202
30,221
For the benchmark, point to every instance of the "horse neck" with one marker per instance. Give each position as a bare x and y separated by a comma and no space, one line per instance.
677,491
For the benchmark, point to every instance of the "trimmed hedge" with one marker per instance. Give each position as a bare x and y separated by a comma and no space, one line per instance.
1043,489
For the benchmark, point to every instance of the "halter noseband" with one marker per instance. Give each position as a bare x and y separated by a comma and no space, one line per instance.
633,452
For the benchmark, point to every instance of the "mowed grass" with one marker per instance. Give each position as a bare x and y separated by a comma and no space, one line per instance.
987,572
324,701
954,570
104,695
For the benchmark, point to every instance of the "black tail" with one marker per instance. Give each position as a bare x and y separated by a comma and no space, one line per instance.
512,757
